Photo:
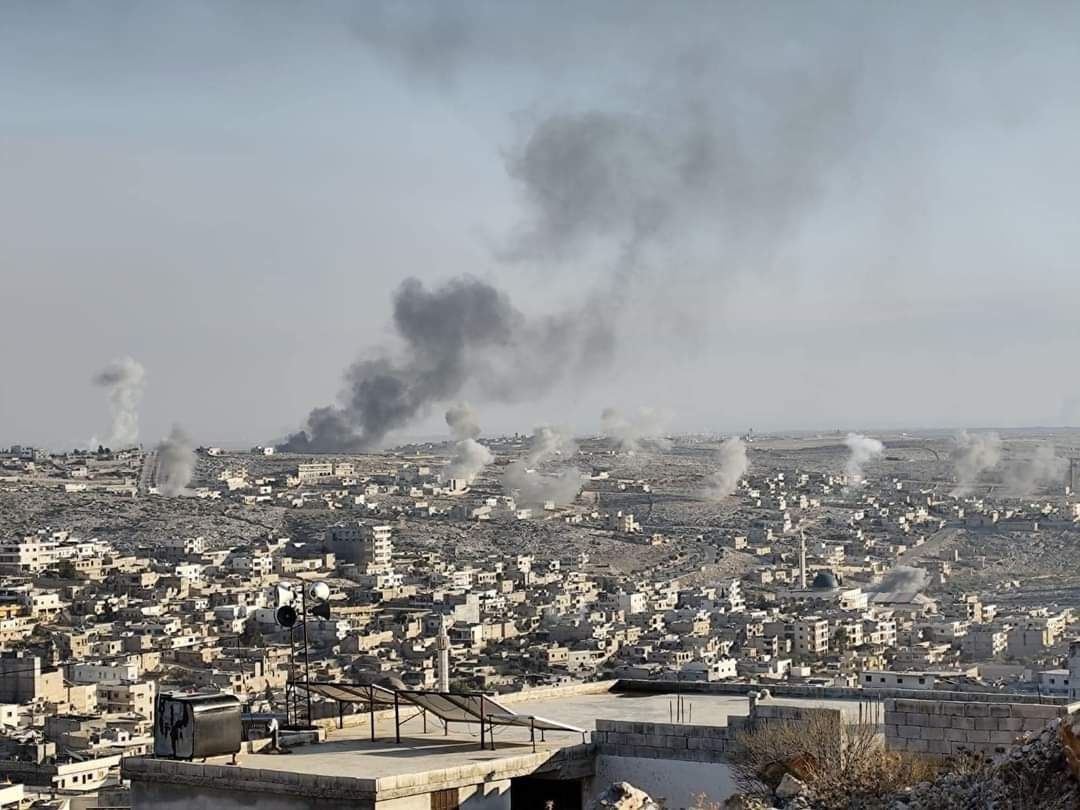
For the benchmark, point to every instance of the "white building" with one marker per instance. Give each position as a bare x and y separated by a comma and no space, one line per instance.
112,672
30,554
315,471
362,544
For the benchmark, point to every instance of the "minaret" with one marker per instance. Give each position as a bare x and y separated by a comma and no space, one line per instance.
442,646
802,559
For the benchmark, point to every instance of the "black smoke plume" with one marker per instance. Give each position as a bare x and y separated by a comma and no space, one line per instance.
465,331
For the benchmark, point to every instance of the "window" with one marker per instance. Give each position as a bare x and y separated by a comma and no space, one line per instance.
869,679
444,799
899,680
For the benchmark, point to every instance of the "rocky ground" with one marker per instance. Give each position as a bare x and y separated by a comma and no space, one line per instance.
1041,773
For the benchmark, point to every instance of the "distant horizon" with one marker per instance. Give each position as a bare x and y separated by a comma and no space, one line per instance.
840,433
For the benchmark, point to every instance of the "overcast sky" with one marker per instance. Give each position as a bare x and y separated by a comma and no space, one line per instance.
804,215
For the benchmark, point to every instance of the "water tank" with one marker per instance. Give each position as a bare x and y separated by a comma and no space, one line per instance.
197,726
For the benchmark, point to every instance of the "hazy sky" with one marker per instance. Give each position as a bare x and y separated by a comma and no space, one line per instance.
797,215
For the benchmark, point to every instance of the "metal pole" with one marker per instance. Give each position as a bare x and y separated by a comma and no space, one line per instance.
397,720
371,710
307,662
532,733
290,693
481,722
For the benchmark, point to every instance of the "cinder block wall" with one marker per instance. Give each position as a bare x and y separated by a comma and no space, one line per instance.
692,743
949,727
619,738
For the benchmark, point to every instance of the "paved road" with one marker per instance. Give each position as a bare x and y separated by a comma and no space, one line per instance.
934,544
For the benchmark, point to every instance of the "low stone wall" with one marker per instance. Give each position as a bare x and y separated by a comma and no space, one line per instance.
827,692
662,741
223,776
549,692
572,762
949,727
692,743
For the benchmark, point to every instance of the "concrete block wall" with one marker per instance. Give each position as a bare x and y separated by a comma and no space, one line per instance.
949,727
662,741
766,712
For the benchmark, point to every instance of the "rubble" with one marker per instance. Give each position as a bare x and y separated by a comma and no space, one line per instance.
624,796
790,787
1036,773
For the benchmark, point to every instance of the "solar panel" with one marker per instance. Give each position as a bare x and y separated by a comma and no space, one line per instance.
447,706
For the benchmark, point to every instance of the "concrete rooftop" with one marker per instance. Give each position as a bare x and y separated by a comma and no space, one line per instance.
350,751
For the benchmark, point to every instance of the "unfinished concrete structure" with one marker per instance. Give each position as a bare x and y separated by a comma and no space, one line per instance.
671,740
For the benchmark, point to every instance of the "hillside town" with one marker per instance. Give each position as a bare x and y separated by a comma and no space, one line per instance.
275,567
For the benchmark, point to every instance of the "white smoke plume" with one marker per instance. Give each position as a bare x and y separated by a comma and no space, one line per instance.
643,430
530,486
863,450
463,421
123,379
549,442
470,457
175,464
903,579
975,454
1043,468
732,464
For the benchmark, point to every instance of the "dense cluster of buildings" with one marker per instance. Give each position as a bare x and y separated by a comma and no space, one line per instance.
819,592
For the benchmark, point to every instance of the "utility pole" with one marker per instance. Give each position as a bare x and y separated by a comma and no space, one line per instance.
307,662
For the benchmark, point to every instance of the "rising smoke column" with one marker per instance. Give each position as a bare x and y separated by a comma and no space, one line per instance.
645,429
470,457
710,168
975,454
903,579
175,464
463,421
534,488
863,450
123,379
732,464
1042,468
463,331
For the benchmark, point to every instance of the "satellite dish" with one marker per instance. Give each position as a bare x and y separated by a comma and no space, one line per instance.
286,616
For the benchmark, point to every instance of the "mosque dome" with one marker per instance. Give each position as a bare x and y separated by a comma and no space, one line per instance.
825,581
